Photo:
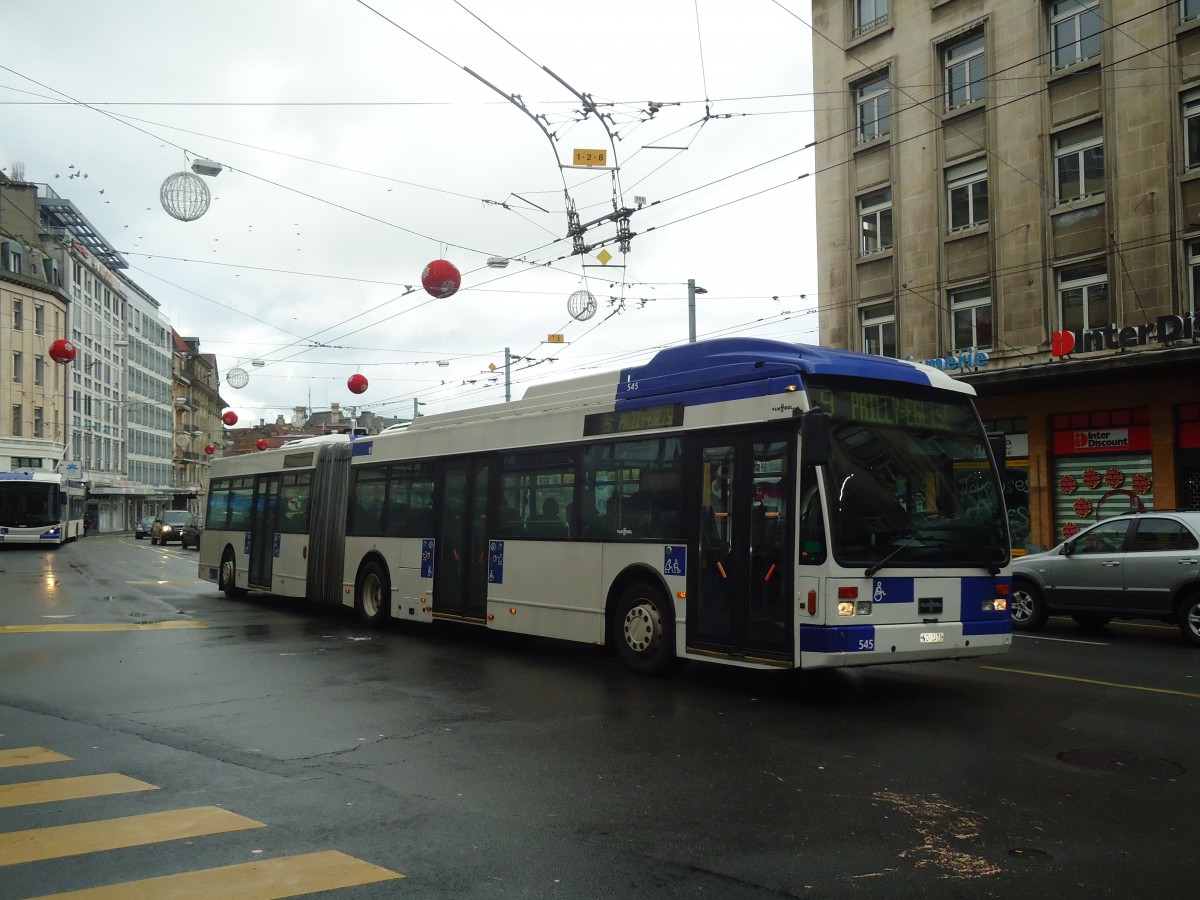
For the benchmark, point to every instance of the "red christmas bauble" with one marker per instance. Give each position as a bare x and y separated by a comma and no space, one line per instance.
357,383
441,278
229,418
62,351
210,449
262,444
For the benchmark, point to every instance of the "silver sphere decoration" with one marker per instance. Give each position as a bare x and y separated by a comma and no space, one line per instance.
581,305
184,196
237,378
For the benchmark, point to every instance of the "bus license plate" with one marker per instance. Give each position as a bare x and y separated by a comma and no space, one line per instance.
932,637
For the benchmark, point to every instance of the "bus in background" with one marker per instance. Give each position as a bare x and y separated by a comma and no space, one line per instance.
743,501
40,508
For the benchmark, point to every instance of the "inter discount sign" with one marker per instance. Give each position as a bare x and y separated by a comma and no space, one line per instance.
1106,440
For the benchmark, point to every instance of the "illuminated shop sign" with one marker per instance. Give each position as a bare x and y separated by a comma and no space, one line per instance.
1102,440
967,359
1165,330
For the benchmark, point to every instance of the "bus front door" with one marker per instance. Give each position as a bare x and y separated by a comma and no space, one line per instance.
263,512
460,567
742,584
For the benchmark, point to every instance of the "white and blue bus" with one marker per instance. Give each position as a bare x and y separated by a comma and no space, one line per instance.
40,508
744,501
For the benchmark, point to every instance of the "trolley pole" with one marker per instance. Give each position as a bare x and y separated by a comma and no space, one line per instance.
507,375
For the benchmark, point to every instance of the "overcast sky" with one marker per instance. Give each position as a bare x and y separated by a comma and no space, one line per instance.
357,148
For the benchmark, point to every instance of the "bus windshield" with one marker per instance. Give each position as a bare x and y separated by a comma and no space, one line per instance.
28,505
910,480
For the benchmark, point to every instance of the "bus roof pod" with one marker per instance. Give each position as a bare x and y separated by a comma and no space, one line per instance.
731,366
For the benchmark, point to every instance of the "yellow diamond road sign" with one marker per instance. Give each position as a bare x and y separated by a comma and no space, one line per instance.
604,256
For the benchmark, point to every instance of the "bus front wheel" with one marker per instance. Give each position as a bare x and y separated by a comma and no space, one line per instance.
371,594
643,630
227,578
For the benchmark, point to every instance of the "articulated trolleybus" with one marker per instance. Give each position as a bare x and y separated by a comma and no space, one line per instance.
743,501
40,508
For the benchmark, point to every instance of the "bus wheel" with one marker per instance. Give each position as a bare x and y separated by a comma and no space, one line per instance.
644,630
371,594
227,578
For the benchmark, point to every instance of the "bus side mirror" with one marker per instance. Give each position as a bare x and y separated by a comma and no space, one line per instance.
814,438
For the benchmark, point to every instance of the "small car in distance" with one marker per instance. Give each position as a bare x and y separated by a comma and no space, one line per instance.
1134,566
189,534
143,526
169,526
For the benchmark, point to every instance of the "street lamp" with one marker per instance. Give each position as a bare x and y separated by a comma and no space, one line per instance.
693,290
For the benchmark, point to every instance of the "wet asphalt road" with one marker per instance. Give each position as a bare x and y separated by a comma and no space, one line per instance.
478,765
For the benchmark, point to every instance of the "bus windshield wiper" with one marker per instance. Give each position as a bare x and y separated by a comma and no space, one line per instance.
875,567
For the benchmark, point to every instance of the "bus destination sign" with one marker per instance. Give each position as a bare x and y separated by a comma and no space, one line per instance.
624,420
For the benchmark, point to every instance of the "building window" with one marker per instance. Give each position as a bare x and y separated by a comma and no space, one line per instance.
1083,297
965,66
39,320
38,423
18,315
875,222
1191,128
869,15
17,419
873,101
1079,162
1074,31
1188,10
17,366
971,315
967,194
879,329
39,371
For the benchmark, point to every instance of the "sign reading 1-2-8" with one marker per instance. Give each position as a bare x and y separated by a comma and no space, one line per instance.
591,158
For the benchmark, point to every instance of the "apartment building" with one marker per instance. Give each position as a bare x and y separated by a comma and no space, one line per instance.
33,314
131,414
1011,192
199,433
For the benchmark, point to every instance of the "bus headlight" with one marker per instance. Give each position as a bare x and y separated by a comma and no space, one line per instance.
997,604
863,608
845,607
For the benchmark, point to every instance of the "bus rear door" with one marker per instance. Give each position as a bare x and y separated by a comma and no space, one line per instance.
262,548
742,585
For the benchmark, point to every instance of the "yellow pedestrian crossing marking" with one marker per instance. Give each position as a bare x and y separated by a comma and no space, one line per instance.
263,879
29,756
101,626
268,879
30,792
58,841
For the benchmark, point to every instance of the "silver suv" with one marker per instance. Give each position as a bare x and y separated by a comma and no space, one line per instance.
1137,566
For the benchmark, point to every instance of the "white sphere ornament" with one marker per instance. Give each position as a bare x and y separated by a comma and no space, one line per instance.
581,305
184,196
237,378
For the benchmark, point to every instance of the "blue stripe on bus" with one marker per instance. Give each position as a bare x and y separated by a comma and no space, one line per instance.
361,448
892,590
844,639
975,590
736,368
